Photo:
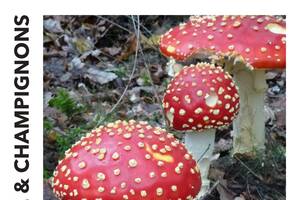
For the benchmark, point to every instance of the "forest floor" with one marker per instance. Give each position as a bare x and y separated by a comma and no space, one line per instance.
89,61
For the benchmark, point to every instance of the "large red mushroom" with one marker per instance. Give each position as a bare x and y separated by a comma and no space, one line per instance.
247,45
127,160
199,99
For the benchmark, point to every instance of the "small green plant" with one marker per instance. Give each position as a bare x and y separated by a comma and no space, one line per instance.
48,125
63,102
46,174
278,153
64,142
145,78
165,83
120,71
101,119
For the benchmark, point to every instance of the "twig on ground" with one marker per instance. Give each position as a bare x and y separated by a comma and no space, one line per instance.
200,158
146,29
54,54
132,72
250,170
118,25
112,57
134,65
210,190
158,99
107,29
259,193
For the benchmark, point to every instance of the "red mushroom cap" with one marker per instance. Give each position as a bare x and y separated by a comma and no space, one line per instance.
260,40
127,160
200,97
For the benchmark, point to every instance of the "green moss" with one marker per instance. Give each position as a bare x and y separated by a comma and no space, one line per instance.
64,142
48,125
146,78
120,71
278,153
64,103
46,174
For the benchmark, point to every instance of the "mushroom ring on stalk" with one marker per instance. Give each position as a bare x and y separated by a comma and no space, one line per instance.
127,160
247,45
202,98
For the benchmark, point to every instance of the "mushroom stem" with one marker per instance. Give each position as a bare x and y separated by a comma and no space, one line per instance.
249,126
201,146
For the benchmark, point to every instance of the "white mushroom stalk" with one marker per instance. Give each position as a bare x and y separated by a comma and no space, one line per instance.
249,126
201,145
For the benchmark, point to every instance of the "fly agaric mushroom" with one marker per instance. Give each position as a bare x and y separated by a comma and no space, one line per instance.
127,160
202,98
247,45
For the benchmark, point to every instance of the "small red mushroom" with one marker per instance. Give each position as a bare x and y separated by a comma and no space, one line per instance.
127,160
202,98
247,45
